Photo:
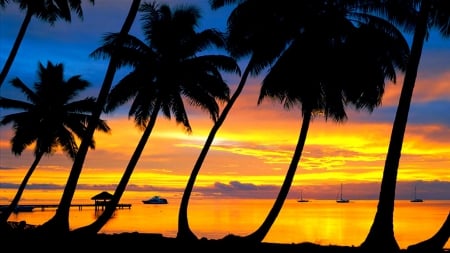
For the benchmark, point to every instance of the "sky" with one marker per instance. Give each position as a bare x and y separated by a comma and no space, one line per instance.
252,150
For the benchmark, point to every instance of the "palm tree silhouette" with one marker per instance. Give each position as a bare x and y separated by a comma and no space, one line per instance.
50,119
59,223
262,46
48,11
332,64
417,17
166,69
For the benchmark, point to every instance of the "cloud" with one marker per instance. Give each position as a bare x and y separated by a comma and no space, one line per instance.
428,190
255,142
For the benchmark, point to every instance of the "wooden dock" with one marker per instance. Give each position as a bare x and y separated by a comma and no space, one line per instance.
97,206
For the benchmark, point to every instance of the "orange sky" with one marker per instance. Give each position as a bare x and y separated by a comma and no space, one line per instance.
253,148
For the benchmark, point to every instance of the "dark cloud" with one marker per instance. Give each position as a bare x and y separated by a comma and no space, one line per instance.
6,168
33,186
428,190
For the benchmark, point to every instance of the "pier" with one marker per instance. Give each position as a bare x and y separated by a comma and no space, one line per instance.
100,201
99,205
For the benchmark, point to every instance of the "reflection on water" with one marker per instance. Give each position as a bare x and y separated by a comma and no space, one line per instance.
319,221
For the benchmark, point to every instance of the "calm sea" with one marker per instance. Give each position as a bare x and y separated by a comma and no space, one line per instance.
319,221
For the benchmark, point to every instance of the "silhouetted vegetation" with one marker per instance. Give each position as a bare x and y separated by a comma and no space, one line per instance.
48,11
320,56
166,72
49,120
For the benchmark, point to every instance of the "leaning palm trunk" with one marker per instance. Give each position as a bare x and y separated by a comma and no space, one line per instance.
381,235
4,216
184,231
16,45
262,231
60,221
97,225
436,243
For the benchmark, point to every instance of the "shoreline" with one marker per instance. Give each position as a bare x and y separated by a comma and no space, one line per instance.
24,236
320,222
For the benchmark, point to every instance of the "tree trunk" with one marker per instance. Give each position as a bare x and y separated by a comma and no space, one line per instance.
262,231
436,243
97,225
60,221
16,45
4,216
184,231
381,235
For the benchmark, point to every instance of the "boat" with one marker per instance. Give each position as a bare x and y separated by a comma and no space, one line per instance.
301,198
155,200
416,199
341,199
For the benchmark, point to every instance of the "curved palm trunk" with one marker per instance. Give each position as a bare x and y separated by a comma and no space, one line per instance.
184,231
16,45
381,235
262,231
120,189
436,243
4,216
60,221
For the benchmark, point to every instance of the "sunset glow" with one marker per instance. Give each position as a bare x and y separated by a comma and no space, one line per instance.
252,150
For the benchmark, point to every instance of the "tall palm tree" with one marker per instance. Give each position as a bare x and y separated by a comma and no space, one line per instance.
330,66
248,25
262,47
47,10
418,17
166,69
50,119
59,223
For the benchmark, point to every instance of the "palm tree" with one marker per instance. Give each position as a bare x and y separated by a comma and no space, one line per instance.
47,10
262,46
330,66
249,24
50,119
59,223
418,17
166,69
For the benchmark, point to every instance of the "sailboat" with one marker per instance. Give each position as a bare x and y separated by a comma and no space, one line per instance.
341,199
301,198
416,199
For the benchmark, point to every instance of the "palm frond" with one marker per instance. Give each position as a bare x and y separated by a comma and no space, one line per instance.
30,95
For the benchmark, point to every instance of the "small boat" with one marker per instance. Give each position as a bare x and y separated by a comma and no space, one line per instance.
155,200
301,198
416,199
341,199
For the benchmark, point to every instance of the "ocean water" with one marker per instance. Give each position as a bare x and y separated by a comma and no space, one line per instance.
319,221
